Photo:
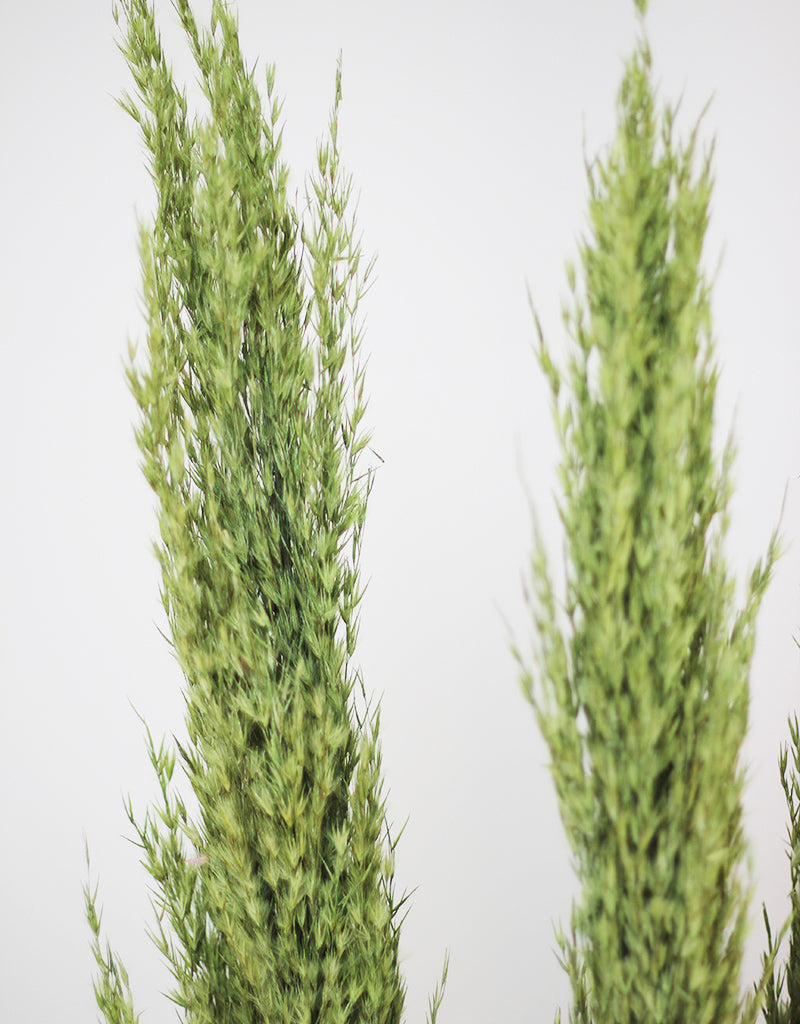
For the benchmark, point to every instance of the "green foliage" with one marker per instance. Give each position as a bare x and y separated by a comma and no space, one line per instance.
275,899
778,1010
640,678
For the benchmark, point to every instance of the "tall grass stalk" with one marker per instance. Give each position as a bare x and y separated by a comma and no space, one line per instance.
639,680
275,898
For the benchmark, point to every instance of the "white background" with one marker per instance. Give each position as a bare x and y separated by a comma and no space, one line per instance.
464,125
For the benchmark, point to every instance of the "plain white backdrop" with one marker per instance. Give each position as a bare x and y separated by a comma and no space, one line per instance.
464,125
